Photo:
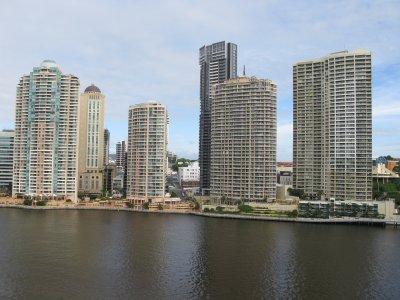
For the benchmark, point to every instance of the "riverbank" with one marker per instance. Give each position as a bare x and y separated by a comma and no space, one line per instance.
349,221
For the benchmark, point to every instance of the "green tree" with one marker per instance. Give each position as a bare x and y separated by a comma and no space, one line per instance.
27,202
219,209
293,214
244,208
180,162
145,205
196,205
296,192
174,194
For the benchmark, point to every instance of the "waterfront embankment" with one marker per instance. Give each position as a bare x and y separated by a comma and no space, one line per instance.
344,220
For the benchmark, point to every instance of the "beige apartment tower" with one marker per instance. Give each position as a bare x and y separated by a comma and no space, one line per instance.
332,126
243,140
147,153
91,139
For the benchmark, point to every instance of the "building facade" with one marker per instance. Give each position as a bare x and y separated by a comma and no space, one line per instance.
46,134
91,141
332,126
106,150
110,171
120,154
218,62
243,139
6,160
147,153
190,175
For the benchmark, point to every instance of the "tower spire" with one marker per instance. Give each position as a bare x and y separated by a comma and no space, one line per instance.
244,70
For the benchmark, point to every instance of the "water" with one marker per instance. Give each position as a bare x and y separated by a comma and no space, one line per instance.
122,255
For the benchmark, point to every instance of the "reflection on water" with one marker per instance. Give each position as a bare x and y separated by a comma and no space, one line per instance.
121,255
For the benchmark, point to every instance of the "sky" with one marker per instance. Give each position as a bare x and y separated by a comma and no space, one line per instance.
136,51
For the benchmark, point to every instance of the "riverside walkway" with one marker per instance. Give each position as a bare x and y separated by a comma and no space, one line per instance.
345,220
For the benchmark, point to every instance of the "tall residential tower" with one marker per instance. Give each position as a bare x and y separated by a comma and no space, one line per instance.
243,139
6,160
91,137
147,153
46,134
332,134
218,62
106,151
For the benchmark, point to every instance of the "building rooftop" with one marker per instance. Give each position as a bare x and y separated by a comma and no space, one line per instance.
92,89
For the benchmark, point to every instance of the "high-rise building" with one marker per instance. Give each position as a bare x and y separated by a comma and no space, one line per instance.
106,150
243,139
91,137
120,154
218,62
6,160
110,171
332,126
46,134
147,152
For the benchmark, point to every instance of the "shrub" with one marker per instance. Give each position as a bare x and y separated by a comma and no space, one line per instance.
160,206
293,214
27,202
68,200
206,210
245,208
145,205
41,203
219,209
196,205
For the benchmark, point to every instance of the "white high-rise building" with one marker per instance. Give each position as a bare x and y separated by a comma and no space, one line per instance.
46,134
332,126
147,153
243,140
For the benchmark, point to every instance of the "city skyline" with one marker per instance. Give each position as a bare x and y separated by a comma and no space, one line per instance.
165,66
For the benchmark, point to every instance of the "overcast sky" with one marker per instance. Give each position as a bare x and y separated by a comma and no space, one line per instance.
136,51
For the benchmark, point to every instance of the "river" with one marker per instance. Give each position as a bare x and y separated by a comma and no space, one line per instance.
123,255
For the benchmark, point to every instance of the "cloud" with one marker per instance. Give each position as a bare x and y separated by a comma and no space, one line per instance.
136,51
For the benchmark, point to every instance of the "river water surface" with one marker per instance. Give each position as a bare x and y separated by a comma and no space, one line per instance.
123,255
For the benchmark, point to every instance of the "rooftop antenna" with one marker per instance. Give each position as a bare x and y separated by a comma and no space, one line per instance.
244,70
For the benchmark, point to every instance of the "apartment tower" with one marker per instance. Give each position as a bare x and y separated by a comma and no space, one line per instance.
91,141
6,160
218,62
106,150
243,139
120,154
332,126
147,153
46,134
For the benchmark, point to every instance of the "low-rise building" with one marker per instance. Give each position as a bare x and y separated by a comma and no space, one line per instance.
380,173
357,209
190,175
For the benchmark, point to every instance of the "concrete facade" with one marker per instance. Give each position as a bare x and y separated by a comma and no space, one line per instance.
46,134
218,62
332,126
91,141
243,139
6,159
189,174
147,153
